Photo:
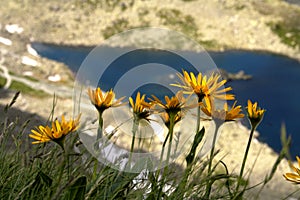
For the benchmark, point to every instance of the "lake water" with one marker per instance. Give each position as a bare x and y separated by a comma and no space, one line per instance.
275,85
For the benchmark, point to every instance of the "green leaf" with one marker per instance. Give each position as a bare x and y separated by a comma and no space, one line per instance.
78,188
122,184
45,178
40,184
227,182
285,141
13,101
198,138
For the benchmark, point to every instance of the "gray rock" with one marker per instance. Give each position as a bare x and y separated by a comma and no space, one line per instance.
240,75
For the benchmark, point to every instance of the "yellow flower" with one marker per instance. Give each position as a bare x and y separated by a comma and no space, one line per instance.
103,101
253,111
294,177
56,132
224,114
165,117
204,87
140,107
255,114
173,105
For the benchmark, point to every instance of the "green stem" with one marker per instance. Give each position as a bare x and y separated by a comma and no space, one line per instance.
62,168
100,127
134,130
180,190
209,183
198,117
171,128
218,124
163,149
96,145
68,165
183,182
245,158
161,156
95,168
99,131
170,134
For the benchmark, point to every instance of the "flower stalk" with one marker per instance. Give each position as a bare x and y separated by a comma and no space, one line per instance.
102,101
141,110
135,126
255,116
219,116
170,137
245,158
218,123
99,131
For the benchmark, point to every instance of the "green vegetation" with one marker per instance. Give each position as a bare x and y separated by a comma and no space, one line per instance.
18,86
209,44
108,5
57,165
288,27
186,24
288,34
175,19
117,26
31,78
27,77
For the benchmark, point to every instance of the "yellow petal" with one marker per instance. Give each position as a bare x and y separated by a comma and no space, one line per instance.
131,102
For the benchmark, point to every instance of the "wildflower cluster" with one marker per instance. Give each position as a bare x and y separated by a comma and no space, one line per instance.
208,89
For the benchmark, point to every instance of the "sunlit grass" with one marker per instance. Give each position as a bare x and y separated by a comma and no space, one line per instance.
18,86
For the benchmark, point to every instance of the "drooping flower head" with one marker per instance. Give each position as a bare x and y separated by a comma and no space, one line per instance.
56,132
141,108
204,87
103,101
173,105
224,114
166,119
255,114
294,177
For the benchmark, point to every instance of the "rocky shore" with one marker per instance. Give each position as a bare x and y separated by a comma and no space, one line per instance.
216,25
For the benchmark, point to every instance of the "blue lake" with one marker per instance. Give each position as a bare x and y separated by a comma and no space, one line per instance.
275,85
